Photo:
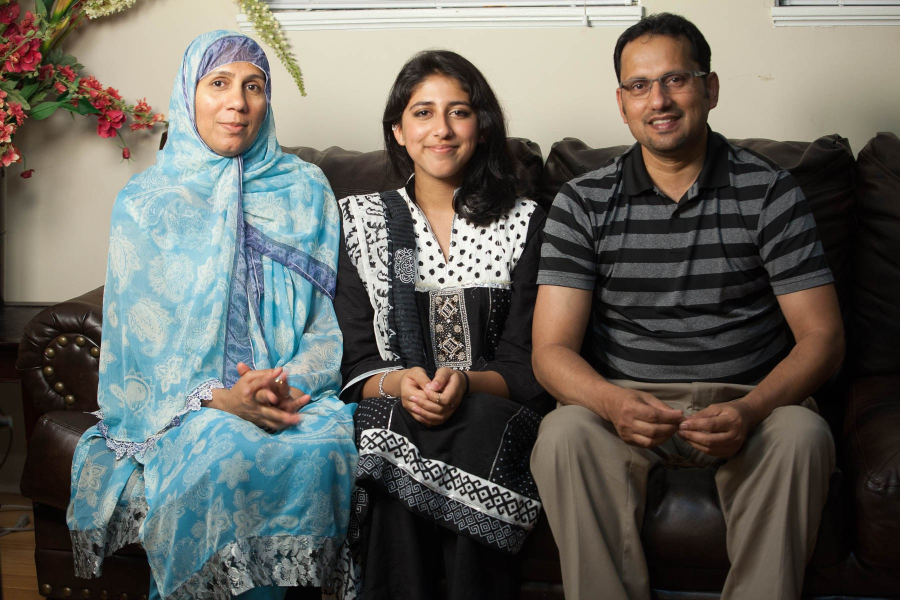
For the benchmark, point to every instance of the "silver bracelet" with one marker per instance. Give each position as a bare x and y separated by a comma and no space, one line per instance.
381,385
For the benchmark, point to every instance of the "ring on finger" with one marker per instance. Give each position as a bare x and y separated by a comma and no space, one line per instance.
439,397
278,381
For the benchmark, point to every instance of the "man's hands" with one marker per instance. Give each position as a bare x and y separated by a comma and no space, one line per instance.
641,419
719,429
262,397
431,401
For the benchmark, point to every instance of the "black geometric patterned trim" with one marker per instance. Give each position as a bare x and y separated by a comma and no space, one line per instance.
486,497
443,510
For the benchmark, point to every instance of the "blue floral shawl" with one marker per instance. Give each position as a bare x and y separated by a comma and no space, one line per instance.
213,261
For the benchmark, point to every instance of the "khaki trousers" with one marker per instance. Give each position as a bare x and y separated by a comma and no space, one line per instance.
593,486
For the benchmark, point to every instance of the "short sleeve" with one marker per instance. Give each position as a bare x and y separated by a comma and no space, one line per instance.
568,253
788,240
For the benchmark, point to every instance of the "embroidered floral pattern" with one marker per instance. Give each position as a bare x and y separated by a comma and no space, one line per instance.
405,265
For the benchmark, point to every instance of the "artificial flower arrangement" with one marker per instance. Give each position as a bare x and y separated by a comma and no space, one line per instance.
37,78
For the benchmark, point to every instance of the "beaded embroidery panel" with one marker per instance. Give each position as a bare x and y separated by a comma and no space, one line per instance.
450,339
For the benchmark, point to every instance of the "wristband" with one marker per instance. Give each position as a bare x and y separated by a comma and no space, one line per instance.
466,375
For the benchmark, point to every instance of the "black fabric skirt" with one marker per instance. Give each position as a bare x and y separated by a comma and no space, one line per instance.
469,475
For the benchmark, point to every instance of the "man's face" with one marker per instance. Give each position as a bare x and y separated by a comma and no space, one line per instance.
669,123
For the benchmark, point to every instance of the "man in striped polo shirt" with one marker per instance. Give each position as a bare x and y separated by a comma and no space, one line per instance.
689,264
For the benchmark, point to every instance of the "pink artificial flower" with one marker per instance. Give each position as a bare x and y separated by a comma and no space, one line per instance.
31,58
100,101
60,88
90,83
26,24
159,117
10,156
108,122
9,13
12,63
26,174
142,106
67,72
126,153
27,55
114,93
6,133
15,110
45,72
138,126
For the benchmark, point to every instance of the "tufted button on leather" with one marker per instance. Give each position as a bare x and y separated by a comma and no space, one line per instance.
67,592
69,400
85,593
46,589
123,596
103,595
49,352
59,387
95,352
143,596
48,371
62,340
79,341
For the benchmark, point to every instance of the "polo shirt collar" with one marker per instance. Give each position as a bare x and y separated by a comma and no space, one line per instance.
714,174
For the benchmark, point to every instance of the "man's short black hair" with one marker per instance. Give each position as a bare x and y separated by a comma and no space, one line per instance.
665,24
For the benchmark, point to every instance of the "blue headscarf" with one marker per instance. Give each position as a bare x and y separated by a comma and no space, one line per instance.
183,287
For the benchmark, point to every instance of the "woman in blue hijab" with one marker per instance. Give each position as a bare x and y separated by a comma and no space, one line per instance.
222,447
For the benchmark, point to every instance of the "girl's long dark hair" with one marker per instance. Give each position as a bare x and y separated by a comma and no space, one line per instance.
494,178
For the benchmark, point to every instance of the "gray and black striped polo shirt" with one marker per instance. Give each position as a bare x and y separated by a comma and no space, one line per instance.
685,291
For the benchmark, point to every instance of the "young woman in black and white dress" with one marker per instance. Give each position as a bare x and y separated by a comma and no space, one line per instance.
436,288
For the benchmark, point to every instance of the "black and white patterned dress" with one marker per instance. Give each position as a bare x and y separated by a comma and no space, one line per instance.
463,486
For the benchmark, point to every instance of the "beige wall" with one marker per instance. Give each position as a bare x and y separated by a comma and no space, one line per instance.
788,83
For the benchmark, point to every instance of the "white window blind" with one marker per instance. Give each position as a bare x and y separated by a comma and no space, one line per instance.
832,13
300,15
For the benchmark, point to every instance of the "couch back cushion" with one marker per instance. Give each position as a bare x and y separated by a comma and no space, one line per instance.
350,172
824,169
876,293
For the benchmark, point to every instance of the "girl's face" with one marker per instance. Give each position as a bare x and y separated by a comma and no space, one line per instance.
439,129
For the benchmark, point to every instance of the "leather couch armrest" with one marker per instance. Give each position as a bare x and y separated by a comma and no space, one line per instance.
48,464
872,430
59,356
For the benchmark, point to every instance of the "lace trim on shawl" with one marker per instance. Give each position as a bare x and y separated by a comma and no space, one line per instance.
122,448
89,547
284,561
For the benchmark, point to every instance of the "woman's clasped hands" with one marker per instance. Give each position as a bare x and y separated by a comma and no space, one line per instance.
262,397
432,401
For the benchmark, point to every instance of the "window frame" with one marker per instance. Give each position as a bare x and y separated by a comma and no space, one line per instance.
317,15
836,13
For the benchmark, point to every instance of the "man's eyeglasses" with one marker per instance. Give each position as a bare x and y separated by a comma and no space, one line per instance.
674,83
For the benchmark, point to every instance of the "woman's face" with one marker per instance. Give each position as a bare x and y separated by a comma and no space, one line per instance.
230,107
439,129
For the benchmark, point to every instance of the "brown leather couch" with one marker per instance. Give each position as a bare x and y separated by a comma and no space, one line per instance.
857,206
